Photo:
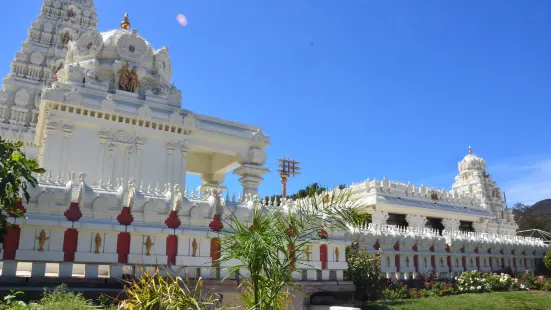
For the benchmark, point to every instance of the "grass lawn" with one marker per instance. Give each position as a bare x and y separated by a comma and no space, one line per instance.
502,300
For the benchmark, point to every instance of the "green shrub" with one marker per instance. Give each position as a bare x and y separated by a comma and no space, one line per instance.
152,292
503,282
439,288
61,299
527,280
364,270
472,282
395,290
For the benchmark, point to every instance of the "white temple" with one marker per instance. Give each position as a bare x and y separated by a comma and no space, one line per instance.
100,113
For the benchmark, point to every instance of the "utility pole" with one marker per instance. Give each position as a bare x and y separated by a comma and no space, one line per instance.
288,168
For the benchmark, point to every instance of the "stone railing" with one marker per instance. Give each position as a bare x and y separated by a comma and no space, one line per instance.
409,252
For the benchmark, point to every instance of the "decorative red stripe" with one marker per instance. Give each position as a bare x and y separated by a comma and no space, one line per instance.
171,249
70,241
123,247
11,242
323,256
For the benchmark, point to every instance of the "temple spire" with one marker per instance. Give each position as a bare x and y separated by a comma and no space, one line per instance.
125,24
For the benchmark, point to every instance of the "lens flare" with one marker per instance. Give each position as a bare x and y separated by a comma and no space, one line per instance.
182,20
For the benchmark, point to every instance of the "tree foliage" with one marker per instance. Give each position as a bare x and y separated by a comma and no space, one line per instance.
309,191
364,270
547,260
16,173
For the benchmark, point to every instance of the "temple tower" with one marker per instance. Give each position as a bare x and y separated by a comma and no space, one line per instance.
41,56
473,179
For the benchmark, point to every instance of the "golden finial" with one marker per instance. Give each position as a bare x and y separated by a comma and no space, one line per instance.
125,24
470,150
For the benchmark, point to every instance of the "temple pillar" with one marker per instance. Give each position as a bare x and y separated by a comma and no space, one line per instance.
252,165
250,177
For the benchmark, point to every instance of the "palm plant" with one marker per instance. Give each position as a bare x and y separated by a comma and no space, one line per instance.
268,249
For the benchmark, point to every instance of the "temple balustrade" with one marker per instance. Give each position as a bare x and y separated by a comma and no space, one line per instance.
409,251
74,230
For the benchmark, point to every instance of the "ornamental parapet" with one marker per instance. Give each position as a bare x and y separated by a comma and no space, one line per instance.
420,192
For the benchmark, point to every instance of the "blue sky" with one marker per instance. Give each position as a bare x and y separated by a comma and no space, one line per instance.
359,89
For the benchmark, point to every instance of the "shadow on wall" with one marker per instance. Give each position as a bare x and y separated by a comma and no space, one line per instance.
331,299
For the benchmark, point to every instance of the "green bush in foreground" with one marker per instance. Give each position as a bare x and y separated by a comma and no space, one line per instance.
58,299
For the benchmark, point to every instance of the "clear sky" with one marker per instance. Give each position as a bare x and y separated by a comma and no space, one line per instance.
358,89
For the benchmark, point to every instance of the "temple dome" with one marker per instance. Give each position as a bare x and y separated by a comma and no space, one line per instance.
472,162
115,47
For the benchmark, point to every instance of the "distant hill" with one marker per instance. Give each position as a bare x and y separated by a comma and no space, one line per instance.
542,207
536,216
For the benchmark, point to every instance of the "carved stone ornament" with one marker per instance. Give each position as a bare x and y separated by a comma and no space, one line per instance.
190,122
163,64
148,244
128,79
97,243
37,58
256,157
42,240
379,217
141,49
89,44
176,118
194,247
144,113
416,220
122,136
74,97
451,224
3,95
108,104
259,138
22,97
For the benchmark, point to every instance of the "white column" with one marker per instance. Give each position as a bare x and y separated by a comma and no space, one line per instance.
9,268
102,136
66,270
46,149
139,160
66,148
110,166
91,271
38,269
169,162
128,171
184,151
